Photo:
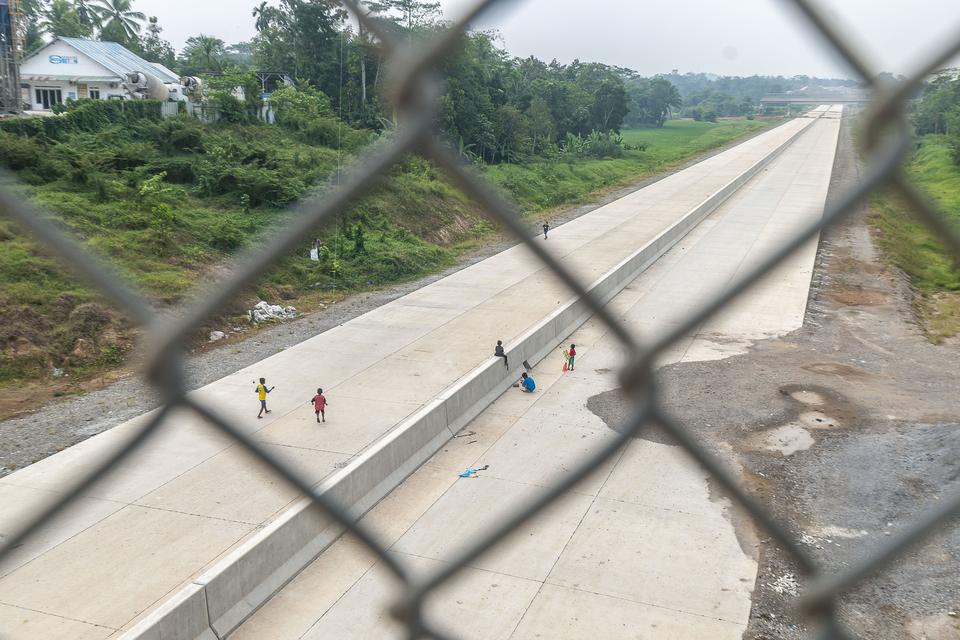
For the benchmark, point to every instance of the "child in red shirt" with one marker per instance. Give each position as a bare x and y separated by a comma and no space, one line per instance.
573,355
319,404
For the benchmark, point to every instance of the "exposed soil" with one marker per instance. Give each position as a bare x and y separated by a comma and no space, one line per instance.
56,414
847,429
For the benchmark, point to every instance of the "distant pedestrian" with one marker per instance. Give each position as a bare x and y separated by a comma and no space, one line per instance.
262,392
527,385
500,353
319,404
573,355
546,228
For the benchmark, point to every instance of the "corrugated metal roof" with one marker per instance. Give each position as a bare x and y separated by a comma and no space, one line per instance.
118,58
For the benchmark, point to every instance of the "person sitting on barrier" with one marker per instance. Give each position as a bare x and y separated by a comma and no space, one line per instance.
500,353
527,385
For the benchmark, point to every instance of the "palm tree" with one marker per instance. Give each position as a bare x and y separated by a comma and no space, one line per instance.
60,19
262,14
86,14
205,52
120,15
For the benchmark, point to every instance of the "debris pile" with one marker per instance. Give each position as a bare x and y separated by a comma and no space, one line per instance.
266,312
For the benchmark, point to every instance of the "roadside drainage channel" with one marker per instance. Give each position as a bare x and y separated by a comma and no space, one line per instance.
217,602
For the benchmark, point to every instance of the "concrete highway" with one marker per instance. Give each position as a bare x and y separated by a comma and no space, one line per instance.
641,543
643,549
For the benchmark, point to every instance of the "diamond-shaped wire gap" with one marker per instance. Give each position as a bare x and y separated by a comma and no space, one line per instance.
89,265
927,213
140,437
840,43
364,173
413,600
419,65
830,587
886,165
374,165
501,211
326,505
728,481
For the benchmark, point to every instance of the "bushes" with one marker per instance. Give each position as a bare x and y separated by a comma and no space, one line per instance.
19,152
85,116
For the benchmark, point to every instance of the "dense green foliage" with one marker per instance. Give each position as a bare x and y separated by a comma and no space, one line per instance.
938,110
167,200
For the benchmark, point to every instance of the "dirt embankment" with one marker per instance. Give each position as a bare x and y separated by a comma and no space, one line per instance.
847,430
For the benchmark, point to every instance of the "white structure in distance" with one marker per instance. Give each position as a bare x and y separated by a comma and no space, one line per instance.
74,68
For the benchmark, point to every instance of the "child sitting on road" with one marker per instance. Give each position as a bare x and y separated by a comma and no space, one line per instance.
527,385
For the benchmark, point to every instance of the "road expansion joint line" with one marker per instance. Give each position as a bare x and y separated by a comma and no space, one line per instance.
657,507
62,617
373,564
643,602
255,525
302,448
468,566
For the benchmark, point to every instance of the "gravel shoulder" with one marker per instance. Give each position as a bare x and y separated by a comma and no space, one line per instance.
847,429
63,422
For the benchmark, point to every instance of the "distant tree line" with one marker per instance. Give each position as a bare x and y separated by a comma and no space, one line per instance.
707,96
937,110
495,107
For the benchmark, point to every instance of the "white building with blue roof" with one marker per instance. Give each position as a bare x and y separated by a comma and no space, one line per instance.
75,68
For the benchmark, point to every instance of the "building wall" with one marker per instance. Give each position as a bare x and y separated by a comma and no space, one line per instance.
60,66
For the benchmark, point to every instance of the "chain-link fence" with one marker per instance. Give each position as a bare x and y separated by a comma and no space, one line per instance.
415,87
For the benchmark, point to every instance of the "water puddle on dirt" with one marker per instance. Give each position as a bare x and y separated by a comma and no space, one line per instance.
818,420
807,397
788,439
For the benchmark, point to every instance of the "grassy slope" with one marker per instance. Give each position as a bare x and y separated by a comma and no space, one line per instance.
912,247
414,224
548,184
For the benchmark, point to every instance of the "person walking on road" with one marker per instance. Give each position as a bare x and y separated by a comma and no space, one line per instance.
546,228
527,385
319,404
572,356
262,392
500,353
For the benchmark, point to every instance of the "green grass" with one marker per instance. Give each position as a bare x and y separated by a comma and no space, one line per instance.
547,184
917,251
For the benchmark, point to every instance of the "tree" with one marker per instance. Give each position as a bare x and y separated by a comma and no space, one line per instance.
203,54
663,97
60,19
541,124
87,14
262,13
413,15
510,130
154,48
609,106
118,19
303,37
28,26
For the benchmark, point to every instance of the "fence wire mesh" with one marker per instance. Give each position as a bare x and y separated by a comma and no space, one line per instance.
415,86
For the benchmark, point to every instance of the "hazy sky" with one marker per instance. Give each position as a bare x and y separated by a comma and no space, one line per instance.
730,37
